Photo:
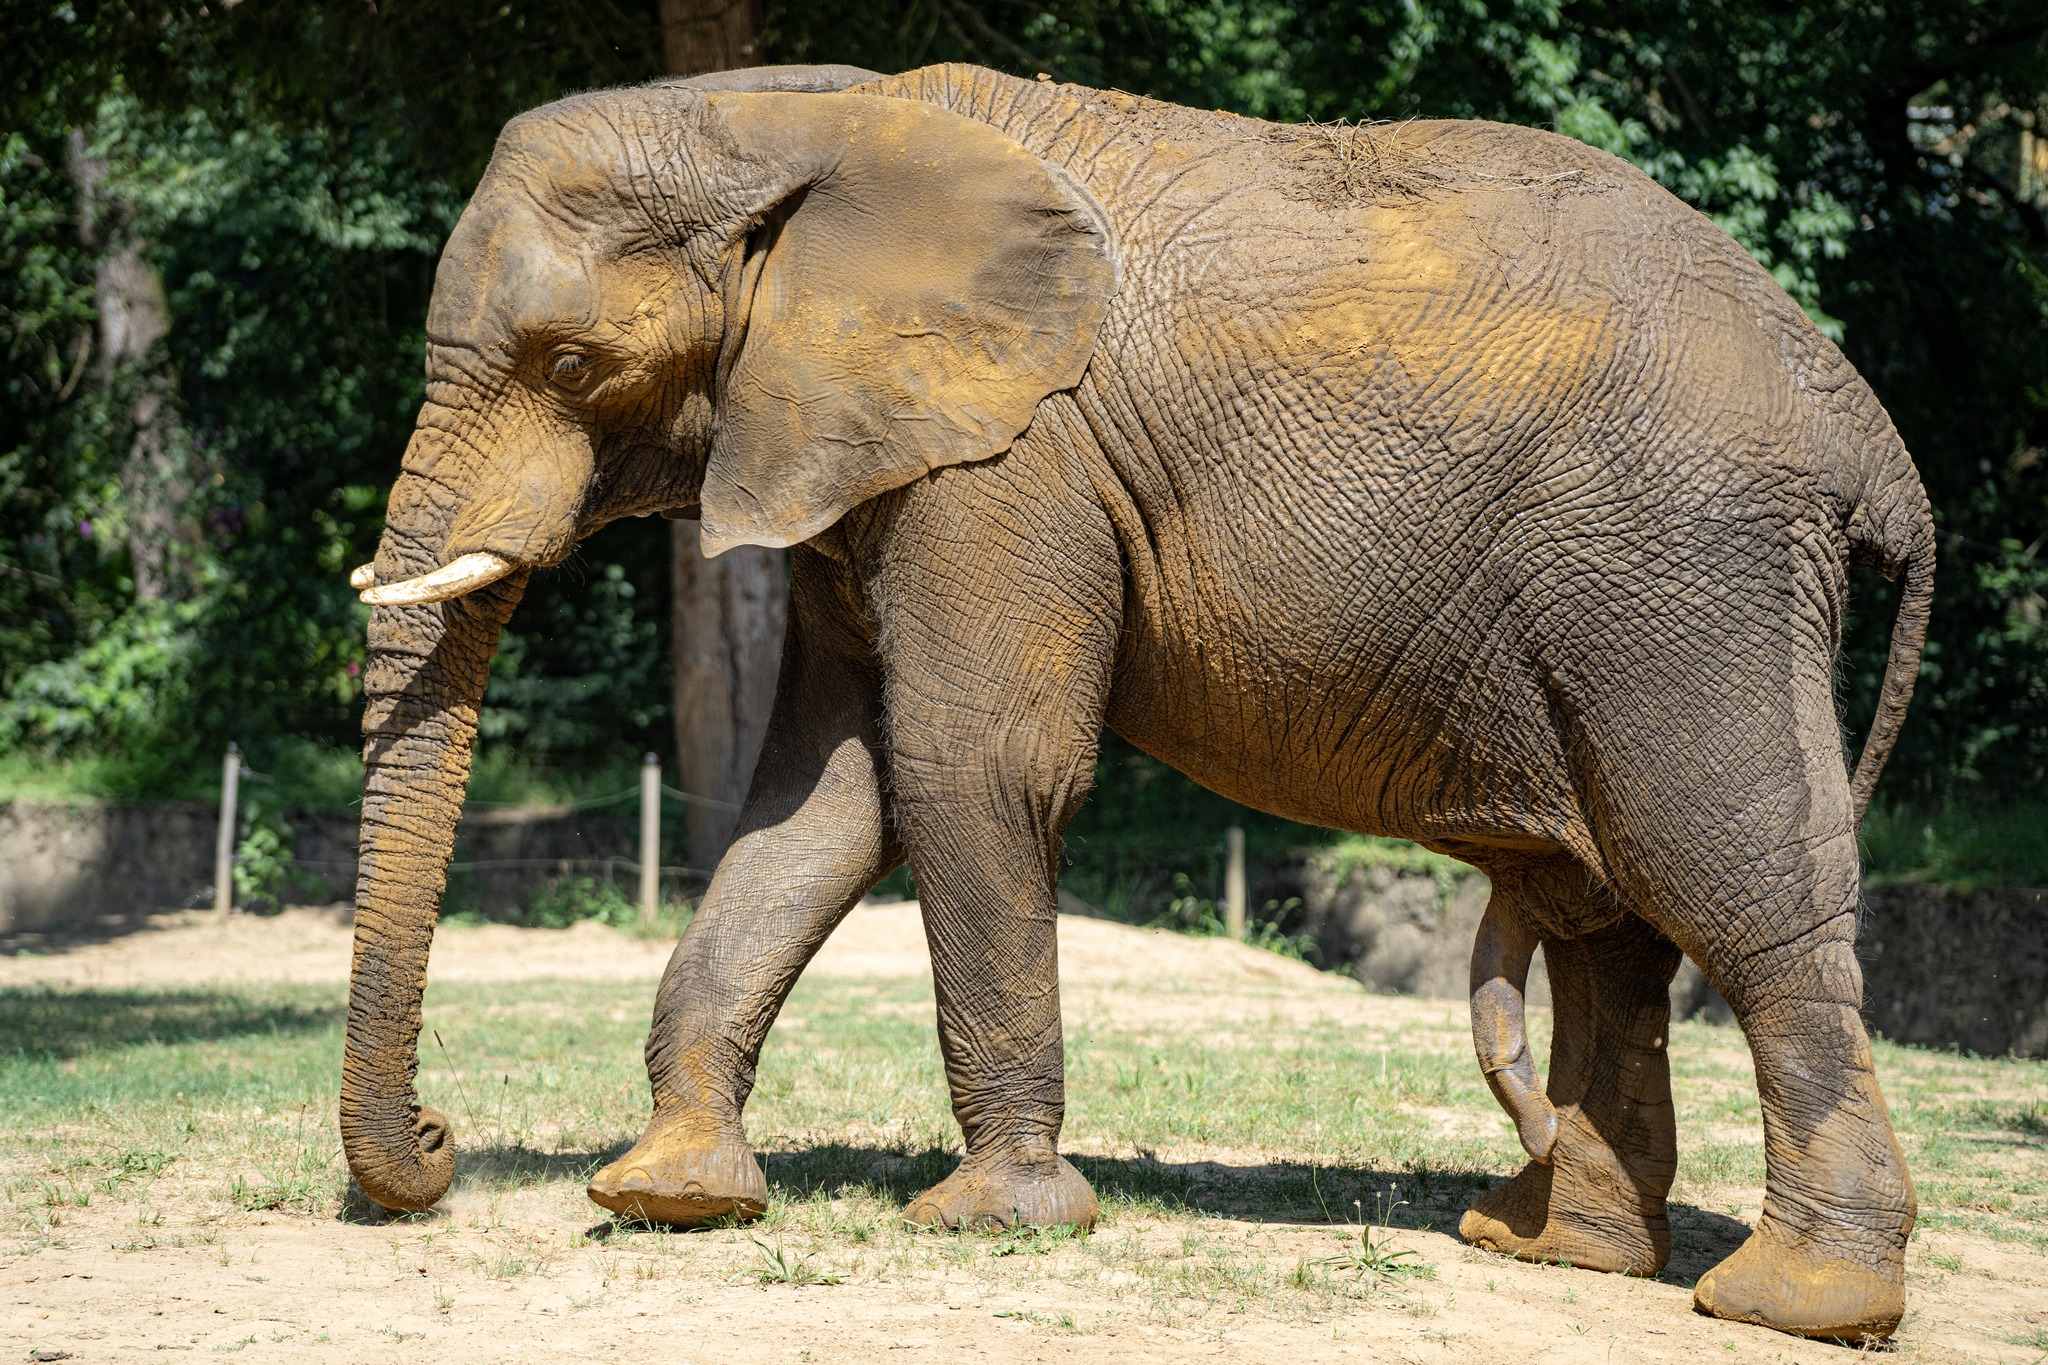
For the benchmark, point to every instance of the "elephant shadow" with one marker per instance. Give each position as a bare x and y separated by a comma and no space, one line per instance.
1281,1192
493,1165
1419,1197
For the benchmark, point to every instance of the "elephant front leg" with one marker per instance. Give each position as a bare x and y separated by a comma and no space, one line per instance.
813,839
998,653
1595,1196
987,891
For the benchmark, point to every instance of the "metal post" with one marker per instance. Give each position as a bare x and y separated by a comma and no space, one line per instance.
1233,881
650,837
224,842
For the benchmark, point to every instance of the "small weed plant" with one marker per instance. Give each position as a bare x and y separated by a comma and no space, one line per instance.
1029,1239
797,1269
1376,1261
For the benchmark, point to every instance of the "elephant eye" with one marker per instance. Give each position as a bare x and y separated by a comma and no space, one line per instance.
571,369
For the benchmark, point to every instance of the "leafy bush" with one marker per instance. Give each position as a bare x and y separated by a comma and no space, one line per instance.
567,901
1348,854
1979,844
266,877
1189,913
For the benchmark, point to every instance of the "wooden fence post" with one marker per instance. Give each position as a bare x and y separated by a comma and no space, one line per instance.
650,838
1233,881
224,842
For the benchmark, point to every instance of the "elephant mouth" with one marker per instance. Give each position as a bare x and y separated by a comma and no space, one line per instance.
464,575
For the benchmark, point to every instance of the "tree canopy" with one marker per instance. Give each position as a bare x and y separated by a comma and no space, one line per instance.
288,173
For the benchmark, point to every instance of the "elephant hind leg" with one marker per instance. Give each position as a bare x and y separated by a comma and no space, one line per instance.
1827,1257
1597,1202
1724,817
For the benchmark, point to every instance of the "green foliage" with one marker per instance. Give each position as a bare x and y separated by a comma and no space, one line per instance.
1376,1261
291,175
101,777
1191,913
796,1269
1979,844
567,901
266,877
292,169
263,860
115,690
1147,836
504,776
1348,854
619,688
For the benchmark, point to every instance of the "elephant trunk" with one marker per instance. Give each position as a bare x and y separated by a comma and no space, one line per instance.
424,685
1500,978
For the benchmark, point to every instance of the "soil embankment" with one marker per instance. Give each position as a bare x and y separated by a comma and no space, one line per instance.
1941,968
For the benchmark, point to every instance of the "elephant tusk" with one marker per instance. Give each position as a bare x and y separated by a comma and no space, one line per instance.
362,576
465,575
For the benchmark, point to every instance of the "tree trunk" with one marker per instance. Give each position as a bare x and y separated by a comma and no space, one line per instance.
728,622
728,612
128,299
709,35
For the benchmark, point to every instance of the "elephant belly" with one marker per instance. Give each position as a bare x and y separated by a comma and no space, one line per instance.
1379,721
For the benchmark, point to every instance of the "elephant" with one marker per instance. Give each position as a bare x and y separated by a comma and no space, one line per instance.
1448,480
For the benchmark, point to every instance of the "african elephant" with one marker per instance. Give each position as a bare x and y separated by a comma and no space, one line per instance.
1449,480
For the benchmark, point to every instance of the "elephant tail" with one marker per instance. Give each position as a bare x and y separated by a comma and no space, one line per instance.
1892,530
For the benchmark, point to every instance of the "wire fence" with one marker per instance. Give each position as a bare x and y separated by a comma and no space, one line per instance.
237,862
593,802
607,865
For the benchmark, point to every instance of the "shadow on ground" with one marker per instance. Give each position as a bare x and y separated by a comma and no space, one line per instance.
497,1165
53,1024
1272,1192
57,940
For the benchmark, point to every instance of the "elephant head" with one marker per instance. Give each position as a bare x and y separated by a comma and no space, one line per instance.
749,305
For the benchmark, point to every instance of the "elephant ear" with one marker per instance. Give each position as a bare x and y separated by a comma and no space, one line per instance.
921,282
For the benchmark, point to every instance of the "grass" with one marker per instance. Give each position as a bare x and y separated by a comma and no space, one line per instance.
1960,845
795,1268
169,1112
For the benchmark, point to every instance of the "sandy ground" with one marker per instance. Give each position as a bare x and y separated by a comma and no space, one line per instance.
275,1287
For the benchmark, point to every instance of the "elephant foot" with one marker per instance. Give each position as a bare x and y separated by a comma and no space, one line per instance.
1555,1213
994,1193
1788,1283
683,1186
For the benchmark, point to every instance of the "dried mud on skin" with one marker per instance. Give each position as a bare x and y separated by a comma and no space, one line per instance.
532,1270
1344,165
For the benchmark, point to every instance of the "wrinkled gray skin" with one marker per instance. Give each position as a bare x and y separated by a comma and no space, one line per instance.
1457,484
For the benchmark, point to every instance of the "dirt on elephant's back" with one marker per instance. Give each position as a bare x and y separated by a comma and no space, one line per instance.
220,1227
